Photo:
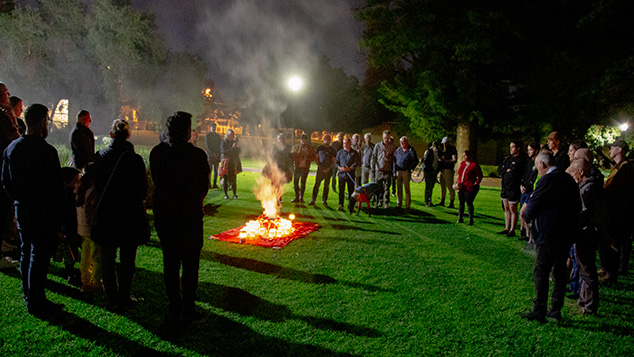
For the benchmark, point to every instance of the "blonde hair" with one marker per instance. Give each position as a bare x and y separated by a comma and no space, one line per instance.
120,129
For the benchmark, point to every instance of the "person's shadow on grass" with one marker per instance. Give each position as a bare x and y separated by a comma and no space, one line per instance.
283,272
215,334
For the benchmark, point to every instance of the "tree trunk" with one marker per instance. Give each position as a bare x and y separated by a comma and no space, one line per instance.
466,137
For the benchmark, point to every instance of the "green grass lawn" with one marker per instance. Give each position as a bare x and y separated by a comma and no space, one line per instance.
396,283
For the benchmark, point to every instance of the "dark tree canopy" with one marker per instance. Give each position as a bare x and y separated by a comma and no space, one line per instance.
100,56
499,67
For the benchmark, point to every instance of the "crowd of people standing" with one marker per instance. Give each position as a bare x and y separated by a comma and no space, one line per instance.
568,211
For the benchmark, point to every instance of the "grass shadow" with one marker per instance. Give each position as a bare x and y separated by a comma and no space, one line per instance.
110,340
282,272
246,304
214,335
345,227
210,209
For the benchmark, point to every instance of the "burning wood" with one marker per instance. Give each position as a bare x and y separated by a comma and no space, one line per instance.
267,228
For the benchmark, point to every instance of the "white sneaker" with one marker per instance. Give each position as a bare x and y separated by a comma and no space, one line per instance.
7,263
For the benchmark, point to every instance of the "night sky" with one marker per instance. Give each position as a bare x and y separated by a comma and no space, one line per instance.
237,38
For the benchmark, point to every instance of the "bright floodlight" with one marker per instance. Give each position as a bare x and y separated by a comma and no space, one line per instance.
624,127
295,83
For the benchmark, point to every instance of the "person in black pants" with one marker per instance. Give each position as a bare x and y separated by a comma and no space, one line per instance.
121,222
554,208
337,145
32,177
212,147
181,177
230,151
346,162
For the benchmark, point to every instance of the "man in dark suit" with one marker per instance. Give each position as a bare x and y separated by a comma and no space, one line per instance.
554,209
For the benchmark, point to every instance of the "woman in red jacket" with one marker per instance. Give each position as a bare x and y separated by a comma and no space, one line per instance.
469,178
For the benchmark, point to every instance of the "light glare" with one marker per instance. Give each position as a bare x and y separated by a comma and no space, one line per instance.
295,83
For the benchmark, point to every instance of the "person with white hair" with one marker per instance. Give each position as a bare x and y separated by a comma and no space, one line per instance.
592,228
554,209
405,160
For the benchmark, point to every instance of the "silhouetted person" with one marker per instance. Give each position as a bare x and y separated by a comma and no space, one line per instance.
121,184
212,148
82,141
616,250
32,176
181,178
230,151
7,134
17,107
8,125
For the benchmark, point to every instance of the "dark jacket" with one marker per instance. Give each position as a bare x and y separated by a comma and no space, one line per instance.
530,175
593,208
181,180
405,160
232,154
121,218
32,176
554,209
82,144
212,146
511,171
347,159
325,156
562,161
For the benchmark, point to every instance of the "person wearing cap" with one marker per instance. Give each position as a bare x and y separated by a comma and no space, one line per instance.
303,155
448,159
615,251
555,145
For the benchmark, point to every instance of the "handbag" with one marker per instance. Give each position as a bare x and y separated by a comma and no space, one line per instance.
224,167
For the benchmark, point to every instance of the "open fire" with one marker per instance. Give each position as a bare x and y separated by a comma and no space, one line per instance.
267,228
